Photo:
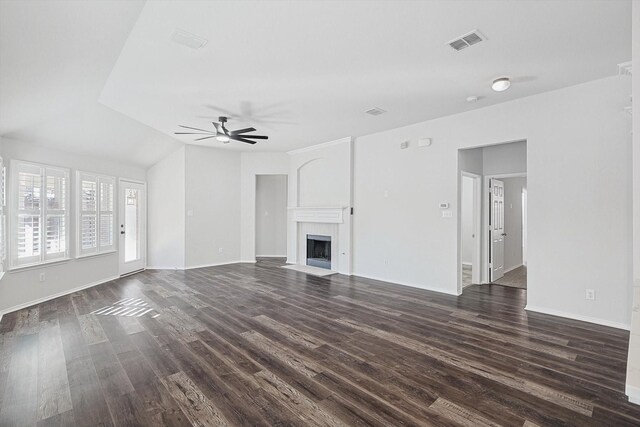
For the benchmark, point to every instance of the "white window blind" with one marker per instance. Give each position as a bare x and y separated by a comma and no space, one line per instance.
40,218
95,213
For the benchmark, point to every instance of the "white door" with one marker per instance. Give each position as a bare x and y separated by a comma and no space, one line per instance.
133,226
496,229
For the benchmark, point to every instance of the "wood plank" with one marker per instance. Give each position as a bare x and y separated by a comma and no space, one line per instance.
20,402
54,396
254,344
195,405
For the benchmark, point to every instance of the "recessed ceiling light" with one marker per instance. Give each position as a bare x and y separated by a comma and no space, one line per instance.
375,111
501,84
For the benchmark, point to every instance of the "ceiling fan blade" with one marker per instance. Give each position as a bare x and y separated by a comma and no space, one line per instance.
193,133
255,136
245,130
218,128
189,127
206,137
238,138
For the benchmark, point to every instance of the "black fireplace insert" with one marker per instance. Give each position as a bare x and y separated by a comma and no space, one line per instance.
319,251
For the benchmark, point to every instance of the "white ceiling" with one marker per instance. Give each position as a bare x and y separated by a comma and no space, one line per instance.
303,72
55,57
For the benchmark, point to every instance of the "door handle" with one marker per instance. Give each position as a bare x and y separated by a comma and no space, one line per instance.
122,232
504,234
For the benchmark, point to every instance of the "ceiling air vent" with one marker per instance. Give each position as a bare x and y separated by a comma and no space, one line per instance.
187,39
467,40
375,111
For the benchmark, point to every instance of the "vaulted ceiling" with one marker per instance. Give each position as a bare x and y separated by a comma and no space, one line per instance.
104,77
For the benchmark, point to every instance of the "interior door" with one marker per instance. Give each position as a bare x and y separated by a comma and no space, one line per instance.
496,228
132,227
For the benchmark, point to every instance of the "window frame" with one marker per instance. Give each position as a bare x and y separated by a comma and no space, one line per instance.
3,221
43,212
98,179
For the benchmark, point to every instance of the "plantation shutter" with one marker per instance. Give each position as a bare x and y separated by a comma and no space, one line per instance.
56,213
3,238
39,228
96,216
106,219
88,217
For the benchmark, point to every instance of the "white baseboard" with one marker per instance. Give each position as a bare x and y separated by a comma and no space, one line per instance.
191,267
164,268
589,319
57,295
512,268
411,285
633,393
215,264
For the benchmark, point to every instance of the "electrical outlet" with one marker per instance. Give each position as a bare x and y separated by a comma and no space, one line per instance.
219,250
590,294
447,214
42,277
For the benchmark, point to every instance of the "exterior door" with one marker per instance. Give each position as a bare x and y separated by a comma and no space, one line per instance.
496,229
132,226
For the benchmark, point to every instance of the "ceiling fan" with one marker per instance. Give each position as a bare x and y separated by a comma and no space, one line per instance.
222,134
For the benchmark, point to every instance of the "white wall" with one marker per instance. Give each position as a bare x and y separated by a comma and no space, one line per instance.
466,208
513,221
271,215
213,206
322,176
22,287
166,212
504,158
471,160
633,367
577,137
253,164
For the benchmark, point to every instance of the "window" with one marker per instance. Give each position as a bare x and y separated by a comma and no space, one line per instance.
40,214
3,244
95,214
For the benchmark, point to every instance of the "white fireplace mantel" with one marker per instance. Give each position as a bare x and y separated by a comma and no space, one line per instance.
327,215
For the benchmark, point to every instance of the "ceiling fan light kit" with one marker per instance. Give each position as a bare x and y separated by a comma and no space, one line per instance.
222,134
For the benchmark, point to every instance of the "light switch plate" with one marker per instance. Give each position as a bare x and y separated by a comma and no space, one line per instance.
447,214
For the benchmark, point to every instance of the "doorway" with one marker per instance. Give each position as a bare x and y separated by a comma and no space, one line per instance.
506,201
132,203
271,217
470,209
498,215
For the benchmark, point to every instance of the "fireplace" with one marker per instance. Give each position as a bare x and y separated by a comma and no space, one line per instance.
319,251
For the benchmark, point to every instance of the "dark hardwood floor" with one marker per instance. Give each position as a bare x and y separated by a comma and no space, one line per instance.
256,344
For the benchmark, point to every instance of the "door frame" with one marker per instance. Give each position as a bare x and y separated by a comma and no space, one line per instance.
476,271
143,246
486,235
